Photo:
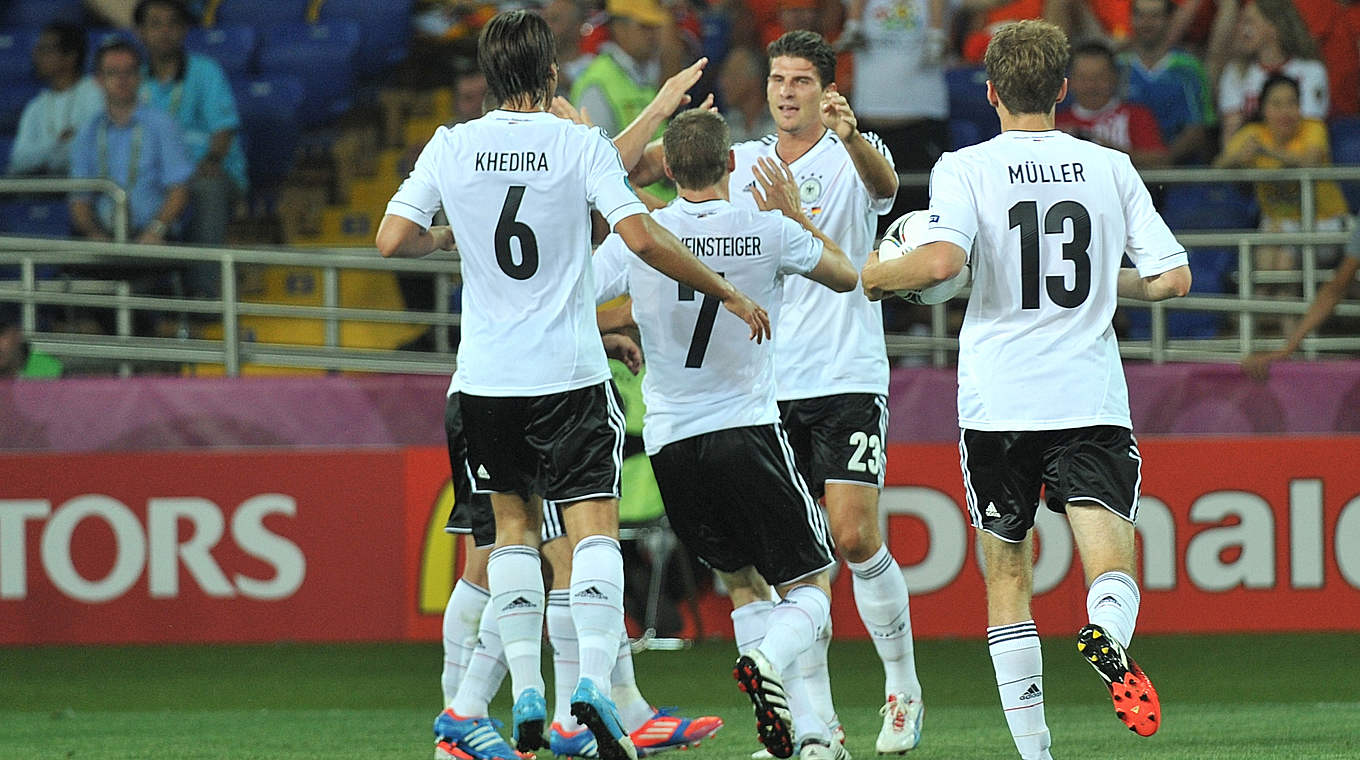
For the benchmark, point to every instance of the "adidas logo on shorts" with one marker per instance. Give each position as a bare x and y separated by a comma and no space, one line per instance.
992,511
1032,692
519,603
591,593
481,471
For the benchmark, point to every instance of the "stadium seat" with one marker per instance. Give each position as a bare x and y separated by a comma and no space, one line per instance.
322,56
14,95
6,146
16,53
269,125
386,30
963,133
231,45
968,101
48,217
1345,137
261,13
1208,207
38,13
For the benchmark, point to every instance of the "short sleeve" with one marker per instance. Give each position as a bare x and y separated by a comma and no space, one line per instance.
953,215
611,262
880,206
607,186
1150,245
417,199
219,105
801,251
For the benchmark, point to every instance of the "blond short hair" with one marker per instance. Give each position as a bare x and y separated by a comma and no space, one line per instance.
1026,62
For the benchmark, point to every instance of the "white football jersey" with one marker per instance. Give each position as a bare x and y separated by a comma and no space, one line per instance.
1047,218
518,189
704,373
826,342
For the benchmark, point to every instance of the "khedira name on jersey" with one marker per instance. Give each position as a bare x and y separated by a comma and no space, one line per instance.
520,161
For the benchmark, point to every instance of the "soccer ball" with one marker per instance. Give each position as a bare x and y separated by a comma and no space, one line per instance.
900,239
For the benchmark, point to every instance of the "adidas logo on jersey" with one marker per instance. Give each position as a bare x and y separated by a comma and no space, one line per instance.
591,593
481,471
519,603
1033,692
992,511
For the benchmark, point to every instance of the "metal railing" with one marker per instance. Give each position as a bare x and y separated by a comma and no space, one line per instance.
65,186
938,347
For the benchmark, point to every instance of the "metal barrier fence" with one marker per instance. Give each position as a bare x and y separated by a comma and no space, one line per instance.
231,351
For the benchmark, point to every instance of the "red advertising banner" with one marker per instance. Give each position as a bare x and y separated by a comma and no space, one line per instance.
202,547
1235,535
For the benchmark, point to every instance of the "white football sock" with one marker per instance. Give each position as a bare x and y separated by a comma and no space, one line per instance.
597,605
1019,666
485,671
794,625
462,616
634,709
807,723
1112,604
566,657
516,580
881,597
818,677
749,624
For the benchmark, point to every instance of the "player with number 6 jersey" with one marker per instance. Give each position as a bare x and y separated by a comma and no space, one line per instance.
518,185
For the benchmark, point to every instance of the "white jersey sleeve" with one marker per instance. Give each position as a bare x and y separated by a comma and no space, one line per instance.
607,182
1151,246
953,215
611,263
417,199
801,251
880,206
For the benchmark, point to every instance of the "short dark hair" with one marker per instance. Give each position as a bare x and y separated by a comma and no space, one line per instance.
115,45
1026,63
809,46
181,10
516,51
70,39
1098,49
1273,81
697,144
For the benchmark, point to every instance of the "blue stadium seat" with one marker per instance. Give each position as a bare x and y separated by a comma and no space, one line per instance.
263,13
322,56
48,216
16,52
963,133
270,133
231,45
38,13
1209,207
386,30
1209,268
1344,133
14,95
6,147
968,100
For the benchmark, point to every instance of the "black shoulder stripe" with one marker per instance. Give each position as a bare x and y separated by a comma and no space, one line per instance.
877,142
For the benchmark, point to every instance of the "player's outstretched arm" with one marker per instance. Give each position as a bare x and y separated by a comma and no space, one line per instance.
1324,303
777,190
873,167
632,141
664,252
1159,287
399,237
929,264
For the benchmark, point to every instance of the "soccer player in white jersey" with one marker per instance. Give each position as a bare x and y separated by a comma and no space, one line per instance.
830,360
712,428
1042,400
517,185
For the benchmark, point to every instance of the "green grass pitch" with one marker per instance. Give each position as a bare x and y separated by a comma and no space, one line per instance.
1234,697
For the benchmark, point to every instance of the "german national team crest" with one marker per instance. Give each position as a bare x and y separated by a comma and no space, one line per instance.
810,190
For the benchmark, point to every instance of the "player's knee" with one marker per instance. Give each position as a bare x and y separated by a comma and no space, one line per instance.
856,543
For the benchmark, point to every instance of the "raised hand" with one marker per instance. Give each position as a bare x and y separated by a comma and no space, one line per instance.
776,189
836,114
675,92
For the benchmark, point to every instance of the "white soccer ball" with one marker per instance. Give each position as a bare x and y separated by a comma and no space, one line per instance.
901,238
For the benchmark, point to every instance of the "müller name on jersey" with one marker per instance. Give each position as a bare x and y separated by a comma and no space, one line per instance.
1032,172
524,161
723,246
